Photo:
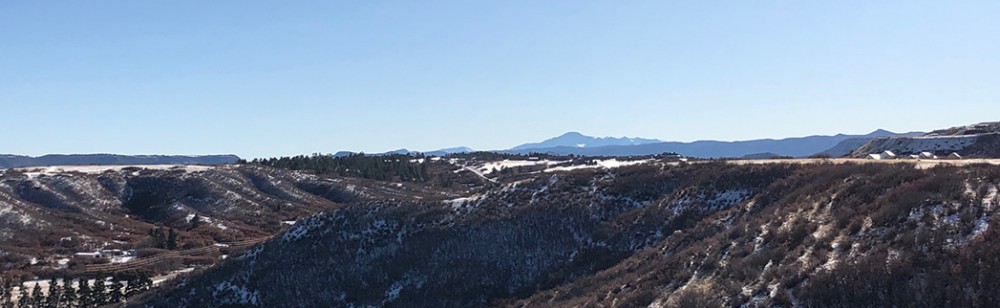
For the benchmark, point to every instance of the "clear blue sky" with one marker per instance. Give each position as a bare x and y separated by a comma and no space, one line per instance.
288,77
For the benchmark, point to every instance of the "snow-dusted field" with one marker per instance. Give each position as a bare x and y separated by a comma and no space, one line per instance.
607,164
98,169
489,167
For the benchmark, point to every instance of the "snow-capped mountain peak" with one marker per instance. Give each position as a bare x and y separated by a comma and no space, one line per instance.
578,140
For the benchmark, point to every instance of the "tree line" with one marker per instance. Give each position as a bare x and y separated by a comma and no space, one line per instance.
378,167
167,240
74,293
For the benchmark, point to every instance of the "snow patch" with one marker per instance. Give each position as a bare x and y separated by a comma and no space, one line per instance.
230,293
982,224
489,167
605,164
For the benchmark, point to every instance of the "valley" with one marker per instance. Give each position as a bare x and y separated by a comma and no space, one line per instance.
667,235
500,229
530,229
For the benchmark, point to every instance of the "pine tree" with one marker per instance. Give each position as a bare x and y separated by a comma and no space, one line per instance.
100,290
23,300
146,282
157,237
115,293
195,221
6,292
131,286
68,294
85,294
55,294
171,239
137,282
37,299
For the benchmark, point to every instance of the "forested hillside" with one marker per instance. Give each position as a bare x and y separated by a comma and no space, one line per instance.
710,234
380,167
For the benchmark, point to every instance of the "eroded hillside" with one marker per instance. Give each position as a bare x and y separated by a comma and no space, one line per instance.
704,234
48,214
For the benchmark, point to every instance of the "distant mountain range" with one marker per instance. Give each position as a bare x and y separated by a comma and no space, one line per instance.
17,161
575,143
579,144
795,147
578,140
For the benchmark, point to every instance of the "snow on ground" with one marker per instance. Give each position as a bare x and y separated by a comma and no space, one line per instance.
489,167
171,275
10,214
98,169
122,259
982,224
191,216
473,170
608,164
28,285
459,202
992,197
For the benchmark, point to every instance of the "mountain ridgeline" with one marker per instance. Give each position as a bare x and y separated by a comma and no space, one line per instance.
17,161
578,140
574,143
659,235
793,147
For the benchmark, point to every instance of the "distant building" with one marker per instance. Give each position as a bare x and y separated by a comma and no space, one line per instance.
91,255
883,155
671,157
113,255
927,155
954,155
